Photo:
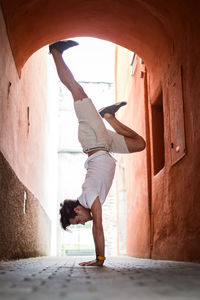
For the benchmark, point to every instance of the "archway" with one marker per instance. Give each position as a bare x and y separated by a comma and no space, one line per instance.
166,36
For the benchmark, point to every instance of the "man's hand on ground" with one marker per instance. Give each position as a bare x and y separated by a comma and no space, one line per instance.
98,234
95,262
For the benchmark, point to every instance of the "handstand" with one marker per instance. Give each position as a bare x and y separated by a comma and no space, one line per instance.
97,142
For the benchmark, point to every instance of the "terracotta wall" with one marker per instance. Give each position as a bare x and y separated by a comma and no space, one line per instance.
175,189
165,178
23,128
131,89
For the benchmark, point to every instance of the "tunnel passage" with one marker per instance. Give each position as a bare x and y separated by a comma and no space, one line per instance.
165,35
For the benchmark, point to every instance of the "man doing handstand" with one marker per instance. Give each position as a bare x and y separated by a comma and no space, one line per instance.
97,142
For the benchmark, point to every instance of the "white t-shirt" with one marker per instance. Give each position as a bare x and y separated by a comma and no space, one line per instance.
100,168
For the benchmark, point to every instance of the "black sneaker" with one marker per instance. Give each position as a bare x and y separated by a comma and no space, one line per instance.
62,45
112,109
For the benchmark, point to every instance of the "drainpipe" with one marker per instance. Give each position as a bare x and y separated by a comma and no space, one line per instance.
149,168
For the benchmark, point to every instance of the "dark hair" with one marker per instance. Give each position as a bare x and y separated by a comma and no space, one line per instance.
67,212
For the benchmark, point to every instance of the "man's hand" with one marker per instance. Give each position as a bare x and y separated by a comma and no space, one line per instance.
94,262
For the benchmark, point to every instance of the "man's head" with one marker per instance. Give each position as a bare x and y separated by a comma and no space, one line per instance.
72,212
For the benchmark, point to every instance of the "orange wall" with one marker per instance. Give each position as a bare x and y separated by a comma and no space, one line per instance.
173,230
24,153
131,89
23,145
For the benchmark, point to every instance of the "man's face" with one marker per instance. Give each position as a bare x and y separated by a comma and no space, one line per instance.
77,220
82,217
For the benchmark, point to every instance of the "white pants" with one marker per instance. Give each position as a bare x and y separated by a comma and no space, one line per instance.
92,133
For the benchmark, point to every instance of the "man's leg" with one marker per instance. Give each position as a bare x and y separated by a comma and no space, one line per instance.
66,76
134,141
92,133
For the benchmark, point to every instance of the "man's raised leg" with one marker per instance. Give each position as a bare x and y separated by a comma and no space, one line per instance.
65,74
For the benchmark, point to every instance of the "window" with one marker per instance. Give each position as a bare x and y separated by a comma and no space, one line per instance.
158,134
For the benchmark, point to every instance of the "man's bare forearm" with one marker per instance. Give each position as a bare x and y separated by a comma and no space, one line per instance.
99,242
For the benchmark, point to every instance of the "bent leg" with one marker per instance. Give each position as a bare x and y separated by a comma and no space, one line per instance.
118,144
134,141
67,78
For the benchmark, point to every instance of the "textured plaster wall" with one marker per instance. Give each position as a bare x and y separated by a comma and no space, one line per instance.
23,127
24,227
174,192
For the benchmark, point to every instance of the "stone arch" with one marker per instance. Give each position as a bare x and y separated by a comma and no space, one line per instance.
132,24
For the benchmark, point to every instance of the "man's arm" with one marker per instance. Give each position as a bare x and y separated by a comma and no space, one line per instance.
97,229
98,233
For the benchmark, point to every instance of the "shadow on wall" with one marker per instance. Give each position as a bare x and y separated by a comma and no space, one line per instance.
25,231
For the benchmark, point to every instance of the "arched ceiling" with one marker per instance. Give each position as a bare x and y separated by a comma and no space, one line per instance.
145,26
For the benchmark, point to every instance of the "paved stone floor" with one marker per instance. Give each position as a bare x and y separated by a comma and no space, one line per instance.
121,278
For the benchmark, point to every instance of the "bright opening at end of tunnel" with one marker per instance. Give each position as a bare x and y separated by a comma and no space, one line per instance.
92,64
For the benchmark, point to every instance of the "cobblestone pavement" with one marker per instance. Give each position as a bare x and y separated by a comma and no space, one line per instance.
121,278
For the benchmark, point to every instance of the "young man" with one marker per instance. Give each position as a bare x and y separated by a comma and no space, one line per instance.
97,142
